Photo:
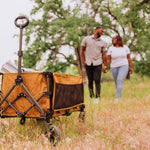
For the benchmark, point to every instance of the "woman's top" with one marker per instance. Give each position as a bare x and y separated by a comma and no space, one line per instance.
118,56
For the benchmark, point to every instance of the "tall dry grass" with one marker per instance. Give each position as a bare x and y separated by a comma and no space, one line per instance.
108,126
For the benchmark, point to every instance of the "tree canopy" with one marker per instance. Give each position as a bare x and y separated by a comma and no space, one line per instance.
63,23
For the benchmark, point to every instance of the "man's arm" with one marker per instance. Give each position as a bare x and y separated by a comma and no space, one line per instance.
82,55
104,58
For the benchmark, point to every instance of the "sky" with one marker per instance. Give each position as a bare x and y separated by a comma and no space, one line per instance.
9,11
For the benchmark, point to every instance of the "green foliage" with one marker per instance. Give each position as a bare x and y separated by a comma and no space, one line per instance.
143,67
59,67
72,70
29,60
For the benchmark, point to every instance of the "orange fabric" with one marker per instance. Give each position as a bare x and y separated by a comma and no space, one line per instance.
35,83
67,79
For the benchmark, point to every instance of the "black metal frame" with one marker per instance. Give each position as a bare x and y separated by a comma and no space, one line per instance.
29,97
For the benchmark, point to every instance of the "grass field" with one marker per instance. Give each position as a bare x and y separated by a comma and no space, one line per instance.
108,126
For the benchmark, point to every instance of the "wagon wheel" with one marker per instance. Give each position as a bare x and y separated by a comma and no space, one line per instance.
52,132
82,116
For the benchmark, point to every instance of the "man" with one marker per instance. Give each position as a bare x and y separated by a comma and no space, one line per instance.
93,54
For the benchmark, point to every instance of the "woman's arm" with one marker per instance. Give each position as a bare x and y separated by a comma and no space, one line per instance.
107,62
108,59
104,61
130,63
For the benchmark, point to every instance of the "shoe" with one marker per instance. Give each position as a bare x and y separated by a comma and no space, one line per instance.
96,100
91,93
117,100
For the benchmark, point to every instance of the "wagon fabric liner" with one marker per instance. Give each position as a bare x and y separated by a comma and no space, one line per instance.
61,94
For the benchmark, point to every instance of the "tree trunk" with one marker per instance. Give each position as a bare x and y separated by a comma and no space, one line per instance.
81,68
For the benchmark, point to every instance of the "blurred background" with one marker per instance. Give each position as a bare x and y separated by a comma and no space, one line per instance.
53,37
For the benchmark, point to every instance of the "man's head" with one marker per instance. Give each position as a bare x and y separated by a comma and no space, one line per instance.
98,32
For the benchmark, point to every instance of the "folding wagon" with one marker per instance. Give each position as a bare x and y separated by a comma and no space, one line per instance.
40,95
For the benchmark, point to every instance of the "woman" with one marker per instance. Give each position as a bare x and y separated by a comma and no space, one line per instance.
119,56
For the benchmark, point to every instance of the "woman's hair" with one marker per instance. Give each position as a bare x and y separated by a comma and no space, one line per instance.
114,44
119,41
98,28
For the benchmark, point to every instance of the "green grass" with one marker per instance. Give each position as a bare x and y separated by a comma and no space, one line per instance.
108,126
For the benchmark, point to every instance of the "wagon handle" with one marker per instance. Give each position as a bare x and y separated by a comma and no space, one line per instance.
20,53
21,26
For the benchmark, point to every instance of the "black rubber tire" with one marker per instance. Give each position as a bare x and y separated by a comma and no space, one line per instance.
54,134
82,116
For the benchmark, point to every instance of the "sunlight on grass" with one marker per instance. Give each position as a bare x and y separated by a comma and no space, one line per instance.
108,125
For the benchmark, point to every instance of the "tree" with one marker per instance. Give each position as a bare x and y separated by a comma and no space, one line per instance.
55,28
66,26
130,19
